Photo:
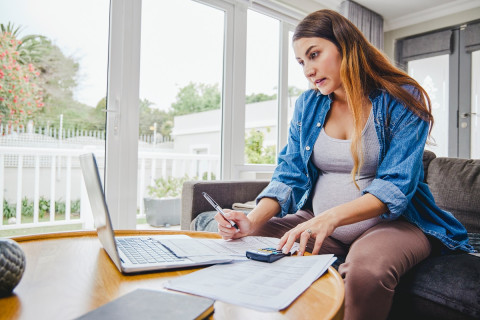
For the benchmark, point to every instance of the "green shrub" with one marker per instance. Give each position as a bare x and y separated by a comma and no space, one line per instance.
60,207
8,210
170,187
75,206
43,207
212,176
27,207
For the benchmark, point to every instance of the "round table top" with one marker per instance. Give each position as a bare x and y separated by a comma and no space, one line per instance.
68,274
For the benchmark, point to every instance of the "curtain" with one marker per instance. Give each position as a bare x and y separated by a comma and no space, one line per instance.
369,22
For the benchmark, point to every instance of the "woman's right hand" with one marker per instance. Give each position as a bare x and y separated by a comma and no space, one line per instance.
227,231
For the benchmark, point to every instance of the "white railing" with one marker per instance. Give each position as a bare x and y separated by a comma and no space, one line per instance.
30,172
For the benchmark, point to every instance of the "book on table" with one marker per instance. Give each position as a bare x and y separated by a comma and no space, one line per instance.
151,304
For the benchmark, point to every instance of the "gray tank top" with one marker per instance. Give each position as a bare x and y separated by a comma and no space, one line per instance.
335,185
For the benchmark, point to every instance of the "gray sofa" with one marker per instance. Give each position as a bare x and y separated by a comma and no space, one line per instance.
441,287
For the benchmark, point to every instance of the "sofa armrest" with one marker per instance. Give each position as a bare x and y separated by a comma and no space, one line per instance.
225,193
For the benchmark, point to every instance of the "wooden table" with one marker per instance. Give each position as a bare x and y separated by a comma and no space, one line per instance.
68,274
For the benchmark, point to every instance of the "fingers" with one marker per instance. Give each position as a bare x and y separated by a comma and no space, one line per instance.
221,220
304,236
292,236
226,230
289,238
282,241
318,242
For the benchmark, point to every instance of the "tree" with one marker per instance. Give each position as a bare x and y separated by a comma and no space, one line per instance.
21,95
59,79
196,97
294,91
255,151
55,80
149,116
259,97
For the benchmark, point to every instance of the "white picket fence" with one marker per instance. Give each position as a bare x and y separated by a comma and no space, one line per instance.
49,134
38,170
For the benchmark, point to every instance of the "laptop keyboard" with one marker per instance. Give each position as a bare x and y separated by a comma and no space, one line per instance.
145,250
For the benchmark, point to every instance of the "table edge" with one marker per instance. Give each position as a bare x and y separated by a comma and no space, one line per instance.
91,233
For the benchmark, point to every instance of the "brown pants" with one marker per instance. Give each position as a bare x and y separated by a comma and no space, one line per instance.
374,263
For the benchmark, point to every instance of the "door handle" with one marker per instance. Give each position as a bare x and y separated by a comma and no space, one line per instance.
465,115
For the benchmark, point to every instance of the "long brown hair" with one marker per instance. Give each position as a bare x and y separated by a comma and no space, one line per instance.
363,69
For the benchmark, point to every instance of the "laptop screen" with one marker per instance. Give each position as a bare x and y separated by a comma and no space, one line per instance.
98,204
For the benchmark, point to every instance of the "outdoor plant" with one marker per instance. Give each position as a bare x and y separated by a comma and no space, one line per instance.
255,152
20,94
170,187
27,207
9,210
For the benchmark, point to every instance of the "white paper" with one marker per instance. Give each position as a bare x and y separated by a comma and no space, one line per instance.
253,284
208,247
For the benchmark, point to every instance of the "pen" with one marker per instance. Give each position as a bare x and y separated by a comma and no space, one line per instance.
219,210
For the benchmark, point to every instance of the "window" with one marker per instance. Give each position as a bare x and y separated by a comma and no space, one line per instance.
181,85
53,83
261,103
432,74
443,62
159,55
297,82
475,106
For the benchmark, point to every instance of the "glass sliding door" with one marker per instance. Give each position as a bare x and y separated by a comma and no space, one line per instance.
432,74
445,63
475,106
53,84
181,98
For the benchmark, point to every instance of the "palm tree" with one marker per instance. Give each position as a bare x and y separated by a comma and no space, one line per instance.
32,47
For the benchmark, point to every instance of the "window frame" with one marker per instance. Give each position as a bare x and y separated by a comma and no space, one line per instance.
121,156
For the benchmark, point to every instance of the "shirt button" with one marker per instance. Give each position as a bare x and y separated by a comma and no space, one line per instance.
318,124
307,148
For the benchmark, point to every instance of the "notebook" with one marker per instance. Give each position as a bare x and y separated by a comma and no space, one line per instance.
123,250
155,305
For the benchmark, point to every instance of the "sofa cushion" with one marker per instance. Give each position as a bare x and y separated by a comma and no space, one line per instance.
455,185
435,282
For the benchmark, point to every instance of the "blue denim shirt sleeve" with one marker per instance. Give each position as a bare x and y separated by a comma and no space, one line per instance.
402,167
289,182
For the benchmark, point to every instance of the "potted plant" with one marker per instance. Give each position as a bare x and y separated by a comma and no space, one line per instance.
163,205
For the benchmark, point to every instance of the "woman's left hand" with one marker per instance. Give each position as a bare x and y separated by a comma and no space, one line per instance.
318,228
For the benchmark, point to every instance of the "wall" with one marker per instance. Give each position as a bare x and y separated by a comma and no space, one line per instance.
451,20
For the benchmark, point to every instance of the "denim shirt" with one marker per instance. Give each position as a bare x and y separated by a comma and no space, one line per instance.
399,178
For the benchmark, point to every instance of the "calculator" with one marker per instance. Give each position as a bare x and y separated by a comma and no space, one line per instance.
266,254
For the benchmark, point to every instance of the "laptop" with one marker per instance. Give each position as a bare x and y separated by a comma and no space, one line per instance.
136,253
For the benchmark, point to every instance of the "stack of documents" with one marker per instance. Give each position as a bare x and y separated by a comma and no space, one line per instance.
253,284
234,249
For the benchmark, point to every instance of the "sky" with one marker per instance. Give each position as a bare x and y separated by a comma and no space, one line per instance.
181,42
